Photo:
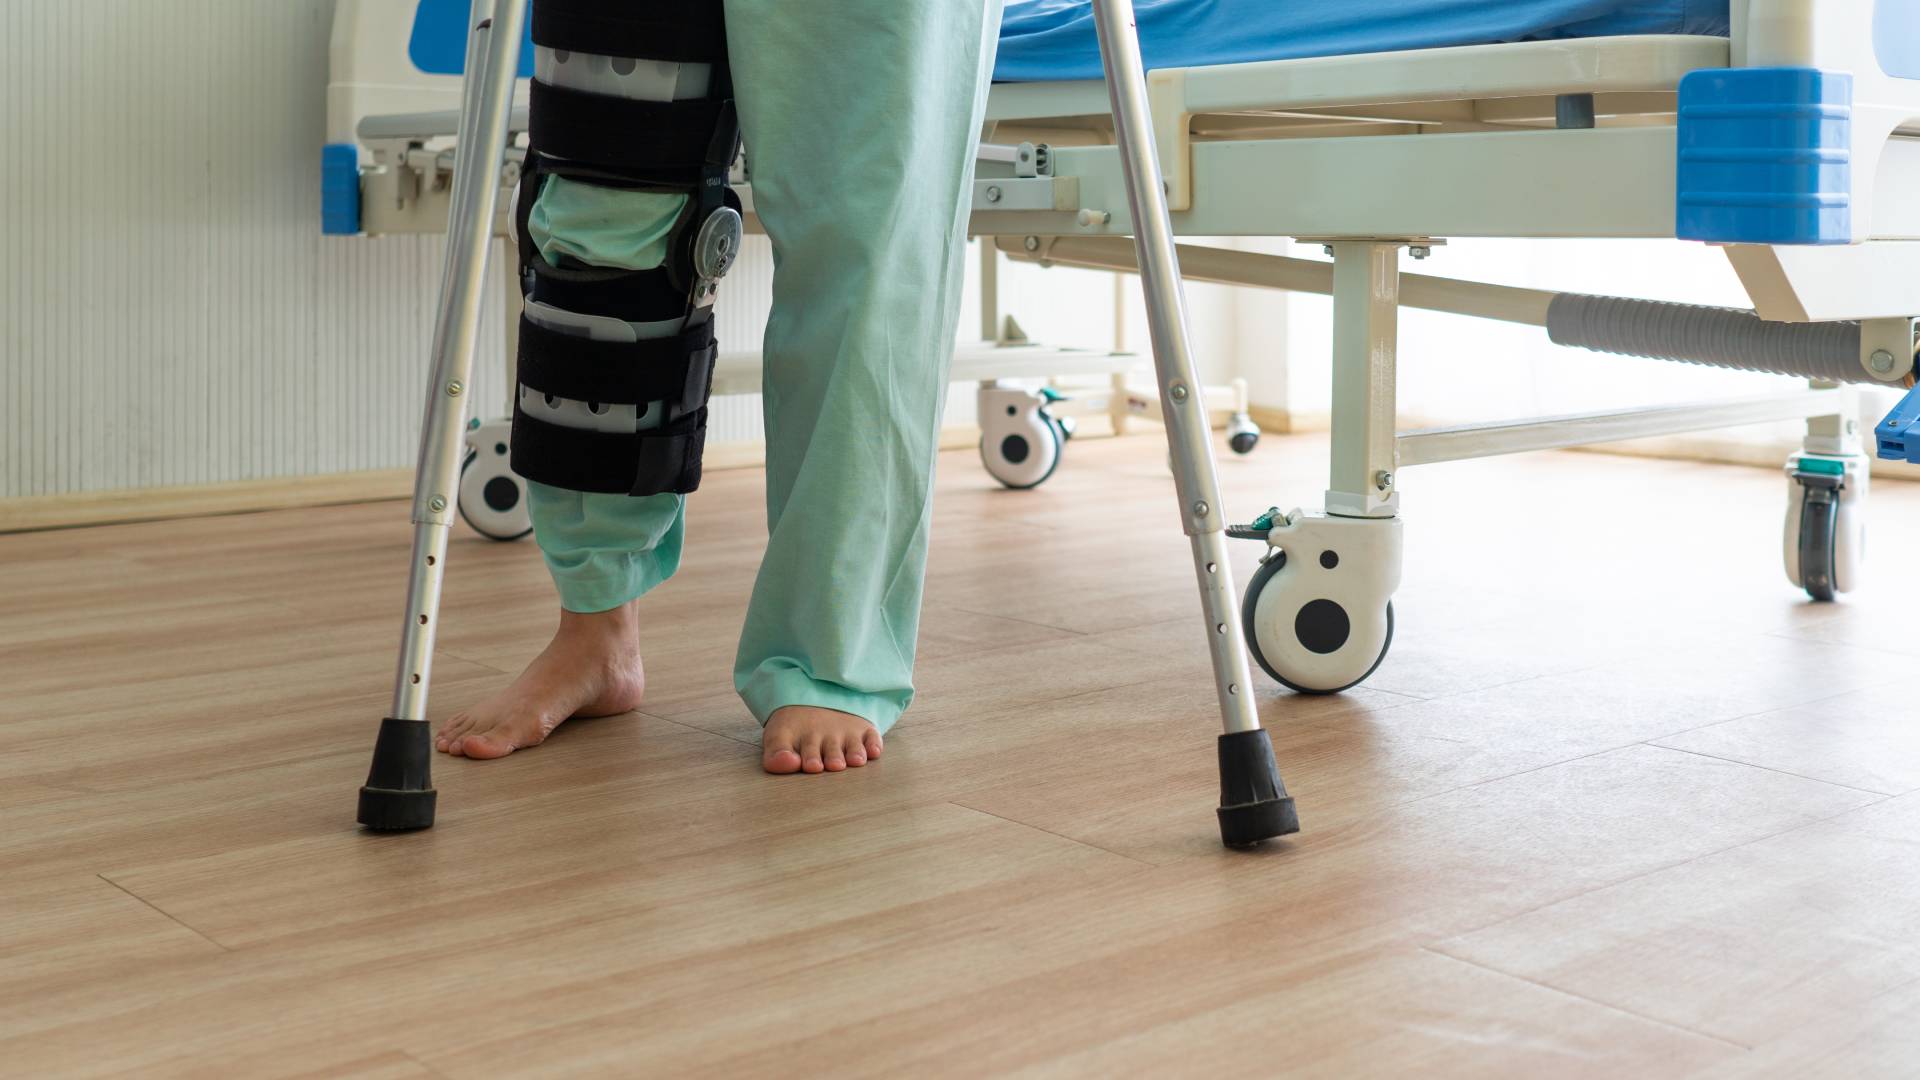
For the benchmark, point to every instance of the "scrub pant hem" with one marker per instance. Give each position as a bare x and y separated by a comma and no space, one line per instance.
766,691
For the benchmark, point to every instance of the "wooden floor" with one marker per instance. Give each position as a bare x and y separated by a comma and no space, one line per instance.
1620,803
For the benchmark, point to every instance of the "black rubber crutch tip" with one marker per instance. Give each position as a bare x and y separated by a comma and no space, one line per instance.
1254,805
385,810
399,794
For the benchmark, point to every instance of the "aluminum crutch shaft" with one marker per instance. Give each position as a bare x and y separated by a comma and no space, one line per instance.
398,794
1254,805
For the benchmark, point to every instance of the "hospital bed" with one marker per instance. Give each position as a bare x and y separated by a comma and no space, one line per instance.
1785,132
393,99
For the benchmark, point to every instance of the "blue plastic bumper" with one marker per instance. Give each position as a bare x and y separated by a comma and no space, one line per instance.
1765,156
340,189
1897,438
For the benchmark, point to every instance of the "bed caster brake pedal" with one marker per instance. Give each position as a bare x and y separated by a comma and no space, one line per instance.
1318,613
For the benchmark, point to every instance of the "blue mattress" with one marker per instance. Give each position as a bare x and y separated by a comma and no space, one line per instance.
1054,39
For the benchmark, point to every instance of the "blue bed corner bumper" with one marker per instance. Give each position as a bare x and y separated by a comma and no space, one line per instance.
1765,157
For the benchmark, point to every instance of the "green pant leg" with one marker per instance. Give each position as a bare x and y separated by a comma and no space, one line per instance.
860,118
604,550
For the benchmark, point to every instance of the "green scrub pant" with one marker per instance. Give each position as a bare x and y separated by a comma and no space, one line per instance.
860,118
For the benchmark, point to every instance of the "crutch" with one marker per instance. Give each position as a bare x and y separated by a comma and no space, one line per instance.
399,790
1253,802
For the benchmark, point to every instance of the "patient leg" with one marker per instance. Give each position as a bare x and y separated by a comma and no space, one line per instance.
604,552
592,668
860,120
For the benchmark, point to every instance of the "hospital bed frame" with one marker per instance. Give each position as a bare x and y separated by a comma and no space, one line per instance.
1787,145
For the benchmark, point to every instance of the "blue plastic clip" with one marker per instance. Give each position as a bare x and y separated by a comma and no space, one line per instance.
1898,436
340,189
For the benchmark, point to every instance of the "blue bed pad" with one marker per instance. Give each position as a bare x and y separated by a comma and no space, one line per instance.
1054,39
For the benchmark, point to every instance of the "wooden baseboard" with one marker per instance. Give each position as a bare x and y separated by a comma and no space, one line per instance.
32,513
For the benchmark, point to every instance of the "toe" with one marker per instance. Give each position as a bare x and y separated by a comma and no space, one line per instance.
810,753
856,752
457,727
778,755
483,747
833,755
873,744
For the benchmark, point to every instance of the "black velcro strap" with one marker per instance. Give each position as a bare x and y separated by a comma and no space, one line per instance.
666,459
630,296
677,370
657,141
687,31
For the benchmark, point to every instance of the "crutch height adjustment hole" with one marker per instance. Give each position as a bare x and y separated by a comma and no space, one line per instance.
416,678
423,620
1013,410
1329,559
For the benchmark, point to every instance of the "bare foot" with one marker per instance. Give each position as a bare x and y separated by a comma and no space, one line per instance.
802,738
591,668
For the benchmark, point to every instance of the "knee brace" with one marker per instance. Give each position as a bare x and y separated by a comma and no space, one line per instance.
616,365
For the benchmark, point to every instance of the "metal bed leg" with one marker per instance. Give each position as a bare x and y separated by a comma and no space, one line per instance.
1253,802
399,790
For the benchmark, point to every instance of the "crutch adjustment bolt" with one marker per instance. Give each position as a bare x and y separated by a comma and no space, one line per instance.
1178,391
455,388
1383,479
1881,361
1200,510
993,193
1033,243
1419,251
437,504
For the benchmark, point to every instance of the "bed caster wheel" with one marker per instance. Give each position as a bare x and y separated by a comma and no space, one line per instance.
1242,433
1020,440
493,500
1825,536
1318,613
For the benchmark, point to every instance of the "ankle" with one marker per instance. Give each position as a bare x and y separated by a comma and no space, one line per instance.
617,627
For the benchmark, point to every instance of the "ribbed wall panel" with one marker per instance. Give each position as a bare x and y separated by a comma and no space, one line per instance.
169,311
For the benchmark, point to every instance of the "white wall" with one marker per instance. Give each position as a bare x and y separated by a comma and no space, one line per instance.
169,311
